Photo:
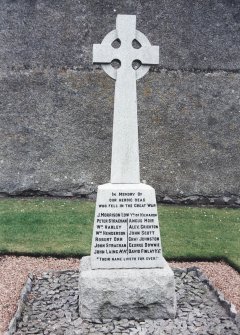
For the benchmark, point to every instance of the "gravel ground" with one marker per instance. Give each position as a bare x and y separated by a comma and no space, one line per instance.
52,309
14,271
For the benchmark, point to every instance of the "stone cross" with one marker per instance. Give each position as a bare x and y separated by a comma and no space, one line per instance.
125,150
126,275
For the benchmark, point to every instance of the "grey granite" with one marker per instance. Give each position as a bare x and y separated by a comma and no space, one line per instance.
126,293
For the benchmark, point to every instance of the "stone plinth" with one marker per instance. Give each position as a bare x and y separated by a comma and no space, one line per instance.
126,293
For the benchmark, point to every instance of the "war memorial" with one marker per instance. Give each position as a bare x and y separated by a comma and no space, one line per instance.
125,286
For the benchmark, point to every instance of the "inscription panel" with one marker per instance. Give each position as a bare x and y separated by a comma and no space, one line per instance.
126,231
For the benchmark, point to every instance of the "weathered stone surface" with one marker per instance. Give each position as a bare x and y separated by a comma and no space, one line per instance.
55,138
191,35
56,108
126,293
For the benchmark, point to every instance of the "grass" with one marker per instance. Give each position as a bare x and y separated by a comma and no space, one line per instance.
60,227
192,233
46,226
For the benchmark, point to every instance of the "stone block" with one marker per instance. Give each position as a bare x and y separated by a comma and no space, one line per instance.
126,293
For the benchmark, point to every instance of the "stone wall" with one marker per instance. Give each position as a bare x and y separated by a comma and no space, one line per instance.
56,107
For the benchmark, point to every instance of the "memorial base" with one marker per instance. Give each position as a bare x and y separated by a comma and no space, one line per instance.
126,293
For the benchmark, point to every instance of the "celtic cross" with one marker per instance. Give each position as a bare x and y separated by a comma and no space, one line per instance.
125,149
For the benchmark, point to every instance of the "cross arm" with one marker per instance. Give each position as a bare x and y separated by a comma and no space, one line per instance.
103,53
148,55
